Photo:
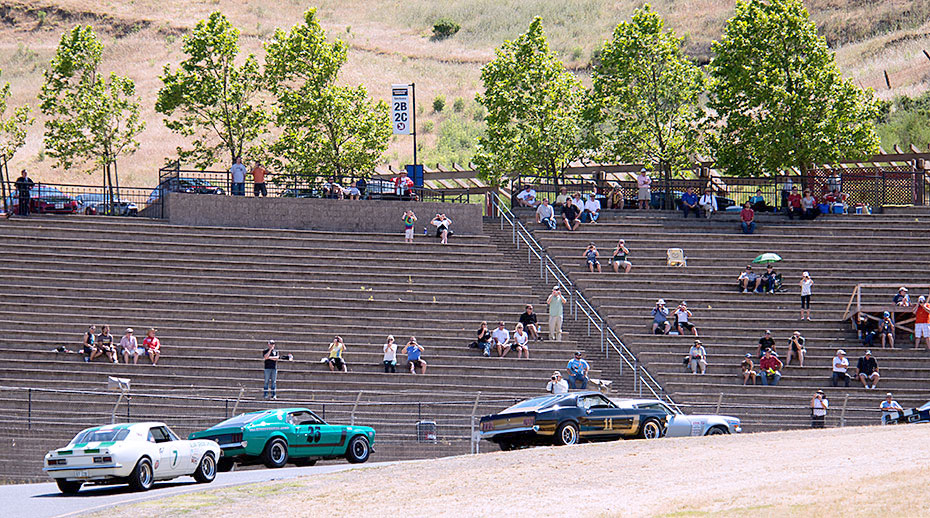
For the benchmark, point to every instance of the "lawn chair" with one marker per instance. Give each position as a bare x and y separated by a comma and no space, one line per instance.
676,257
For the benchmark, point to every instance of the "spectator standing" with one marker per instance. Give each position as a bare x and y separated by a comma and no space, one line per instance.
867,329
886,330
578,372
130,347
415,356
23,186
335,361
708,203
819,406
806,283
527,197
747,219
270,357
556,307
152,346
867,371
501,339
591,254
793,207
556,384
443,227
748,370
766,342
660,318
902,298
105,346
769,279
529,321
683,319
485,341
796,348
922,322
840,366
545,215
697,358
770,368
390,354
409,220
620,258
570,215
592,210
749,281
689,203
258,180
643,189
89,339
521,342
238,172
889,407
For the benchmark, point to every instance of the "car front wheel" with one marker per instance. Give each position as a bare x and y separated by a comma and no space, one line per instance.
359,450
566,434
68,488
206,471
716,430
650,430
142,477
275,454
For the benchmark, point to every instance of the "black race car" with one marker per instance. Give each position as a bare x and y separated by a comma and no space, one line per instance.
911,415
569,419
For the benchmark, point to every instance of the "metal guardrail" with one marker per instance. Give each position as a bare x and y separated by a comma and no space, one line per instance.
577,302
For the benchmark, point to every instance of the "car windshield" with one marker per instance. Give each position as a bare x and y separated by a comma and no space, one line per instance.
45,190
241,419
925,407
100,436
656,406
536,402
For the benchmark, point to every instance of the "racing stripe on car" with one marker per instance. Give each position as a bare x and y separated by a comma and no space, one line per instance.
342,440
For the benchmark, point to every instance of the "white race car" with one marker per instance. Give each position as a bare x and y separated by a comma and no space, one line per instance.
681,425
133,453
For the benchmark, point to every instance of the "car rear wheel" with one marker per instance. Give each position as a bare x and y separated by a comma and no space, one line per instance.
206,471
275,454
716,430
506,446
68,488
650,430
358,450
225,464
142,477
566,434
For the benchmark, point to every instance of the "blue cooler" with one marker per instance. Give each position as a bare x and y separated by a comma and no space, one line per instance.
839,208
824,208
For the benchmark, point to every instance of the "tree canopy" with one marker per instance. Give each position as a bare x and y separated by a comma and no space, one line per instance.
13,125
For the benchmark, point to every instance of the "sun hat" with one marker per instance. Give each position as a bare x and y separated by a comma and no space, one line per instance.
557,373
748,355
840,351
868,353
888,394
660,301
270,341
902,288
820,391
887,314
128,329
805,274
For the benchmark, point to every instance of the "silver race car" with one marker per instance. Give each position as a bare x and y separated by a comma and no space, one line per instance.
681,425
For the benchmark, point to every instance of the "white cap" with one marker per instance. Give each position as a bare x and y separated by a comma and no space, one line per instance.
805,274
840,351
660,301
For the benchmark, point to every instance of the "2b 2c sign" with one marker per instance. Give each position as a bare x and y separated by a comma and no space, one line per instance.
401,110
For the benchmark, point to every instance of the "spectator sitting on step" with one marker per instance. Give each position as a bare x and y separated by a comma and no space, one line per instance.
840,366
921,322
889,407
545,215
766,342
527,197
89,339
758,202
697,358
335,360
886,330
836,198
809,206
749,281
390,354
708,203
521,342
152,346
769,279
796,348
620,258
529,321
660,324
485,342
414,356
748,371
578,202
770,368
793,208
867,329
130,347
867,371
570,215
689,203
902,298
591,254
104,346
562,198
578,372
747,219
501,339
683,319
592,210
556,384
443,227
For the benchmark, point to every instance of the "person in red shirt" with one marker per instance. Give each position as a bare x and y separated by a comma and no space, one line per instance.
921,322
747,215
770,368
402,185
152,346
794,203
258,178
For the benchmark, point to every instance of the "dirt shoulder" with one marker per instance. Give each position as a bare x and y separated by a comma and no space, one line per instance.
867,471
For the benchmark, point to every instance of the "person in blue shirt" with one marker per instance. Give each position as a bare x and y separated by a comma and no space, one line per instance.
414,350
758,202
578,372
689,202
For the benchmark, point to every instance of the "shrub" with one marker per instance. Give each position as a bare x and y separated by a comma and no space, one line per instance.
427,126
458,105
439,103
445,28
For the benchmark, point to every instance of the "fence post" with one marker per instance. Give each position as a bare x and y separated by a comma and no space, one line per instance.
719,402
474,435
29,419
843,411
226,410
352,417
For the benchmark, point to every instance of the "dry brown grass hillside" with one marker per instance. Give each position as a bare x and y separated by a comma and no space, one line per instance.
390,42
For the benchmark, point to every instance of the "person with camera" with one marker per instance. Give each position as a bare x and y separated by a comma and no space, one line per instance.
390,355
501,339
556,384
484,341
620,258
867,329
683,319
840,366
414,356
591,254
409,220
270,356
819,406
886,330
697,358
660,318
578,372
335,360
796,348
921,322
443,227
556,302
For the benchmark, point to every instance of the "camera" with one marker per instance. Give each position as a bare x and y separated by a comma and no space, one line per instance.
552,378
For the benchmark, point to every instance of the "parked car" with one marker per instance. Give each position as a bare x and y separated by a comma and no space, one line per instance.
135,453
568,419
295,435
681,425
94,203
46,199
185,185
911,415
295,192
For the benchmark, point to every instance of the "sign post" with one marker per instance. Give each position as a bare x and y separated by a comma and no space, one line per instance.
404,113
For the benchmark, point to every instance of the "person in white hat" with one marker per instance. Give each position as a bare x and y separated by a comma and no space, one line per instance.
130,347
660,318
643,193
819,406
556,384
806,283
840,366
902,298
921,322
556,302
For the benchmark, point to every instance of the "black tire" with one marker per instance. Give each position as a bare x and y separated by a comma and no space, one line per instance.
68,488
275,454
566,434
507,446
225,465
206,470
651,429
304,462
717,430
359,450
142,477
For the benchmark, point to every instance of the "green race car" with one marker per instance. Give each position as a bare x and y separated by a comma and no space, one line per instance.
276,437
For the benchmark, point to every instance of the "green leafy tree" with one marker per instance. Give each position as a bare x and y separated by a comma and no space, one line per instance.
326,129
645,99
211,98
780,100
534,107
92,118
13,128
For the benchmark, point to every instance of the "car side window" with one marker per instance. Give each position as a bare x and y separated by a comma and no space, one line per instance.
302,418
159,434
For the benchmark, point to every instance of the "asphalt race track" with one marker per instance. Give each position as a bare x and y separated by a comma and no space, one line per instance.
45,501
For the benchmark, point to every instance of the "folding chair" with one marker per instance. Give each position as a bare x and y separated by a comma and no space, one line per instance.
676,257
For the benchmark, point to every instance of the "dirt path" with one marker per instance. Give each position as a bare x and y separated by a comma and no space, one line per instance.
853,471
